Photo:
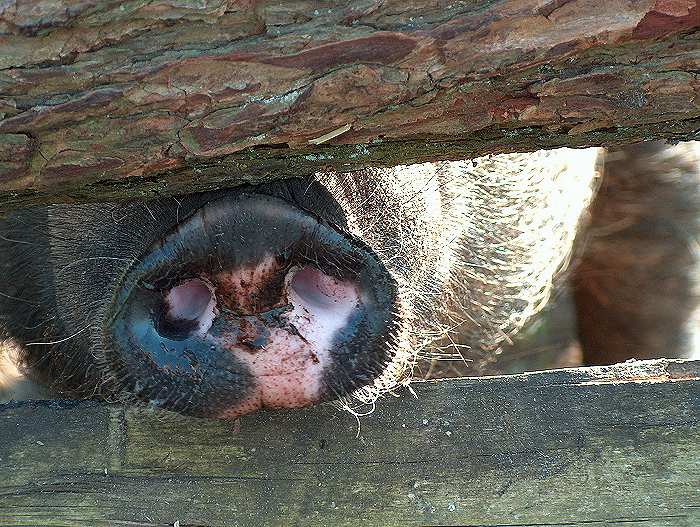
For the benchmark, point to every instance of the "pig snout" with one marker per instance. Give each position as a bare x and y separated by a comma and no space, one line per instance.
292,291
249,303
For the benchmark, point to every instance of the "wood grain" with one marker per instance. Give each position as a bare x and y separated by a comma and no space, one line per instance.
586,447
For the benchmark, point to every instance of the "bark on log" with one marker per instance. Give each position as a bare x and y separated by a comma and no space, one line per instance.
105,99
589,447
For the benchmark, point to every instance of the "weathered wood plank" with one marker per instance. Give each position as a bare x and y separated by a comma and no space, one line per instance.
599,446
103,99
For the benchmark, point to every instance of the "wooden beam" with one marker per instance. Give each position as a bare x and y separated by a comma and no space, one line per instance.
104,99
585,447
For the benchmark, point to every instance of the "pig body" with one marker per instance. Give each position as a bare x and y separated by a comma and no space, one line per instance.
292,292
637,284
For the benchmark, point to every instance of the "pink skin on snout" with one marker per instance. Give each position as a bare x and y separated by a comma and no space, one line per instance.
286,360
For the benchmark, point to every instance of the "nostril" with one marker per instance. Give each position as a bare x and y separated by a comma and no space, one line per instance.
189,308
319,291
189,300
322,305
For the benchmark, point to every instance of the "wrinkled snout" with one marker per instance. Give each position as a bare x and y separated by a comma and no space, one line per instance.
250,302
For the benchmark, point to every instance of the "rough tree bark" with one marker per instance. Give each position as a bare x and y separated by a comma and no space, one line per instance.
121,99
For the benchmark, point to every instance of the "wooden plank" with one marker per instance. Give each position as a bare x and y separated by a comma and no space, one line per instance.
104,99
593,446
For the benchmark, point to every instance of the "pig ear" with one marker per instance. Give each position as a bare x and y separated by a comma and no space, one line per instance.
250,302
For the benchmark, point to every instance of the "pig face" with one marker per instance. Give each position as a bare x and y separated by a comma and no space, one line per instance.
289,293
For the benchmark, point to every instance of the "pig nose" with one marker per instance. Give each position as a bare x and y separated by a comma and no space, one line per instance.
249,303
